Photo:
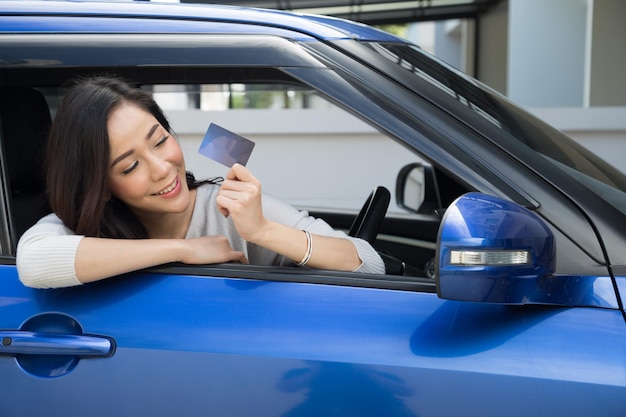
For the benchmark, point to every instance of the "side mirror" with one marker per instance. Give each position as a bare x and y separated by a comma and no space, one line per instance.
416,189
493,250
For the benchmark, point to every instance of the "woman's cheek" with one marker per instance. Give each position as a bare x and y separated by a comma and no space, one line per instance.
128,187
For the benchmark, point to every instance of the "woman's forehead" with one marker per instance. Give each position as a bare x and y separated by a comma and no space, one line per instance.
129,119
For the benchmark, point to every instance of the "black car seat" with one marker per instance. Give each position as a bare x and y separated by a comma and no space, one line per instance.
24,123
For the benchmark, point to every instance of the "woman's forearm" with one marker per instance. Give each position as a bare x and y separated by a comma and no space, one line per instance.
326,252
103,258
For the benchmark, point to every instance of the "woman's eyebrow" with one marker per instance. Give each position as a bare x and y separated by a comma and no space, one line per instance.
122,156
152,130
125,154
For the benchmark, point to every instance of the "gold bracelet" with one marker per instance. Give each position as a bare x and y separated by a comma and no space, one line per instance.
309,249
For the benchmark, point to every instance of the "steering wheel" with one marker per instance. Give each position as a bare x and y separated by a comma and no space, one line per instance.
367,223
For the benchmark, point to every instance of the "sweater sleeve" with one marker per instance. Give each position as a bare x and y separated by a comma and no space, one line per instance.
46,255
280,212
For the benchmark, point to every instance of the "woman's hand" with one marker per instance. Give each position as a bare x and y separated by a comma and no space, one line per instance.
240,198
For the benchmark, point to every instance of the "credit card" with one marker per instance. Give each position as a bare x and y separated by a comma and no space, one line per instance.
225,147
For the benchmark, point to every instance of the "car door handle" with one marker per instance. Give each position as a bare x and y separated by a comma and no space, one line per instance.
37,343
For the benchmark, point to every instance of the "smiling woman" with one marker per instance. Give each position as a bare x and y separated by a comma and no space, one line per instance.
122,200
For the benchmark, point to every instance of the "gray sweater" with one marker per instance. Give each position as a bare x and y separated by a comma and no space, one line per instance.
46,252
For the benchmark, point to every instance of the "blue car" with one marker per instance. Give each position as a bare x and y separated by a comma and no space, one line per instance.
504,241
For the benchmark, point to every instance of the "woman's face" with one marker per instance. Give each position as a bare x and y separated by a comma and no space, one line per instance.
147,168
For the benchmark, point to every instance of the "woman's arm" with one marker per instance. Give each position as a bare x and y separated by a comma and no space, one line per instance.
240,198
50,256
98,258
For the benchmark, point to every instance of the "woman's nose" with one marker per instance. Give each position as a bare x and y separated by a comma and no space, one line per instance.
159,167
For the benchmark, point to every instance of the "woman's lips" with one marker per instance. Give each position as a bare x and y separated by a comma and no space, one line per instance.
170,188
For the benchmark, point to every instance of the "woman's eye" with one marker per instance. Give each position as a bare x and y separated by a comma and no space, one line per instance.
130,168
162,141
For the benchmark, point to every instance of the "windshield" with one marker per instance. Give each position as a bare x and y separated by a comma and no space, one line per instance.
524,132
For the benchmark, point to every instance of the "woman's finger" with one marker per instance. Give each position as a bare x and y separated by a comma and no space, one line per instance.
240,173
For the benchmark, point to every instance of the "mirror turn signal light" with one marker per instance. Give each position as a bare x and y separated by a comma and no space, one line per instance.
489,258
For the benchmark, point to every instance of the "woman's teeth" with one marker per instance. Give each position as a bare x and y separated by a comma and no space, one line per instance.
168,189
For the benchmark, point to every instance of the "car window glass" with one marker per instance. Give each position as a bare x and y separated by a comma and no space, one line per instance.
616,197
522,130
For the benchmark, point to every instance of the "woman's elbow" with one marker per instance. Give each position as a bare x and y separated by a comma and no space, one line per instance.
35,272
28,277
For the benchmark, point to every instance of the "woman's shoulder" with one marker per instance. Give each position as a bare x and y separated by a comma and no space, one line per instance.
51,221
49,224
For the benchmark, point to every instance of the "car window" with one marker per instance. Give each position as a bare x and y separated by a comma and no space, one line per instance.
317,146
308,151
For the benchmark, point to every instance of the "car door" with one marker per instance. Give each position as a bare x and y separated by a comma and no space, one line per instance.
234,340
193,344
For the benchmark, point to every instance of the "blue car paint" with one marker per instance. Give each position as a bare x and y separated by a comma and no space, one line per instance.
310,349
130,25
315,27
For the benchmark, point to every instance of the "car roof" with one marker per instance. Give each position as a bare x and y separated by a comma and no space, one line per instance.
319,27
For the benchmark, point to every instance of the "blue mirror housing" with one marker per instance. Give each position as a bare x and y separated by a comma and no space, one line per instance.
492,250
